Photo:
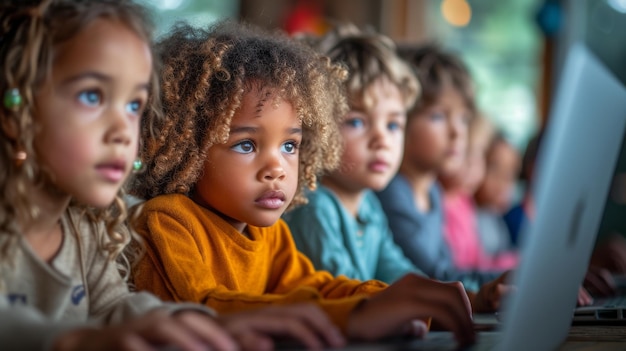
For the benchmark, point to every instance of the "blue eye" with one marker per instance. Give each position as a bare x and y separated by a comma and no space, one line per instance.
134,107
393,126
90,97
354,122
290,147
437,116
244,147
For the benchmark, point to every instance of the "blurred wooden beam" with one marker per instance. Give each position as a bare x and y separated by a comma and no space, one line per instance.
404,20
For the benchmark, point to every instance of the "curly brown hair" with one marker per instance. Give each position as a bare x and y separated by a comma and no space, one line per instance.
204,76
437,70
30,35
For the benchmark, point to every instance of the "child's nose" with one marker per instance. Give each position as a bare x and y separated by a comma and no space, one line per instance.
273,169
380,137
119,131
455,126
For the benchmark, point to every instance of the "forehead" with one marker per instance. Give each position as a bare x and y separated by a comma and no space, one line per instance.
106,44
452,96
504,149
258,100
380,90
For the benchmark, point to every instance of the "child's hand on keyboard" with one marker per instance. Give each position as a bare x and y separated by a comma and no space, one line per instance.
584,298
599,282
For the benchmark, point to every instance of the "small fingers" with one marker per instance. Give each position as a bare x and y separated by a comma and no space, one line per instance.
253,341
133,342
317,319
306,323
584,299
454,312
453,319
465,299
413,297
173,333
279,326
604,283
450,307
501,291
418,328
207,330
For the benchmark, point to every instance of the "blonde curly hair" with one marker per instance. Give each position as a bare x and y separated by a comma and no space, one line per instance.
204,76
30,34
369,56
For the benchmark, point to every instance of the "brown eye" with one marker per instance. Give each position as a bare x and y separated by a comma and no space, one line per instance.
244,147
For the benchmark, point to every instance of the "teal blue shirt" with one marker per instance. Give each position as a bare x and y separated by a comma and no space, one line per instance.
360,248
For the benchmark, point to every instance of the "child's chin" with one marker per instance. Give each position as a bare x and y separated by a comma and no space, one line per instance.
99,202
265,222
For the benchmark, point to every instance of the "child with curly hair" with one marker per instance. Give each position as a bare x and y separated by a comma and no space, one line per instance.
252,120
76,76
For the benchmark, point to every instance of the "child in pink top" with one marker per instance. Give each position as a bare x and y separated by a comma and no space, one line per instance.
460,177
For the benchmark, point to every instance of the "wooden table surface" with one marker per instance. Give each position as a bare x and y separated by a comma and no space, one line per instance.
604,337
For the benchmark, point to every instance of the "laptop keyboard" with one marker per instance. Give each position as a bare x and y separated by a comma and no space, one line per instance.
611,302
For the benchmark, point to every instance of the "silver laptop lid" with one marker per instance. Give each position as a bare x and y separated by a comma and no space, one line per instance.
574,172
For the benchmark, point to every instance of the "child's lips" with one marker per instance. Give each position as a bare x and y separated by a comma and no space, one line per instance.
271,200
379,166
114,171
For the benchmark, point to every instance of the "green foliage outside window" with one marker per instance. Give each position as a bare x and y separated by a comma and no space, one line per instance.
501,45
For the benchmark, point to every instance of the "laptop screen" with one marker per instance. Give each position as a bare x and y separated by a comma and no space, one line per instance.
575,169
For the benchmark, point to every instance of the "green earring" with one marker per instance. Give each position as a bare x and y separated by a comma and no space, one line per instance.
137,165
12,98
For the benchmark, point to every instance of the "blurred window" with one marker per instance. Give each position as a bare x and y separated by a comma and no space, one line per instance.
196,12
500,42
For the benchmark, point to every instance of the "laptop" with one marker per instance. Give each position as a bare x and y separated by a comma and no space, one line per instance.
575,170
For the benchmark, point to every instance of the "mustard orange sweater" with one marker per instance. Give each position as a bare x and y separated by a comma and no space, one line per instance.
194,255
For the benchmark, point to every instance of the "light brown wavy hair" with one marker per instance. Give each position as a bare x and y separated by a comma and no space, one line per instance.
368,56
437,70
30,35
204,76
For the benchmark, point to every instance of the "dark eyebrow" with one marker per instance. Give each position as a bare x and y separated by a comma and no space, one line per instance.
99,77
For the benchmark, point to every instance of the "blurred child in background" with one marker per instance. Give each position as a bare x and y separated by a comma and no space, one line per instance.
524,210
435,134
494,195
460,176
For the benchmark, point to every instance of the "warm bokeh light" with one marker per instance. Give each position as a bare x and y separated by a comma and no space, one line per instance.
457,12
